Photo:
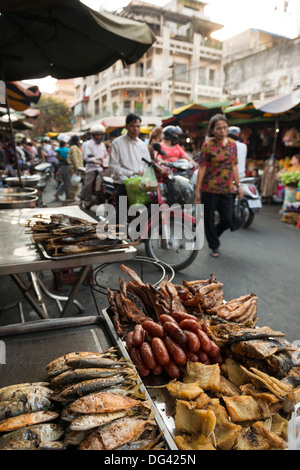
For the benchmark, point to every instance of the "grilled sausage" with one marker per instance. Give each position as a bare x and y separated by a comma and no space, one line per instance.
204,340
172,370
154,329
139,363
148,355
160,351
138,335
176,352
173,330
179,316
190,324
192,341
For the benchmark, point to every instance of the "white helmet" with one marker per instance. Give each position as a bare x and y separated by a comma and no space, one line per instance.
97,129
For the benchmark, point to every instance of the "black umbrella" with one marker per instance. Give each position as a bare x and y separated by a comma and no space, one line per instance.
65,39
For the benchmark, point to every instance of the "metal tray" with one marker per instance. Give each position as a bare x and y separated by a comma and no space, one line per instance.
43,252
162,400
26,349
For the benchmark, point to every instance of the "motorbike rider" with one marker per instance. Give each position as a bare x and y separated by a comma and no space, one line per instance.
93,152
170,145
242,149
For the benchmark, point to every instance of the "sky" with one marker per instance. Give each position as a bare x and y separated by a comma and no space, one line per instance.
235,15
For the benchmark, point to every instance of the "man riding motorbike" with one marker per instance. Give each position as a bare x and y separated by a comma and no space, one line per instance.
93,152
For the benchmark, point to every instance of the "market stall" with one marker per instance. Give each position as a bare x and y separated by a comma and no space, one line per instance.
213,378
24,251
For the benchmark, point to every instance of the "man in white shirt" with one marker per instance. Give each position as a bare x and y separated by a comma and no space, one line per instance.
242,149
93,152
126,154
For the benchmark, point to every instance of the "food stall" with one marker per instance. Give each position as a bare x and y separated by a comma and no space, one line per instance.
196,371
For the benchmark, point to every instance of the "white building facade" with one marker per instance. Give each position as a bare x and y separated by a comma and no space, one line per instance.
184,65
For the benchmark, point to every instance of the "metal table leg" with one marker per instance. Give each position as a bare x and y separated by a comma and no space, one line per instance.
36,301
83,274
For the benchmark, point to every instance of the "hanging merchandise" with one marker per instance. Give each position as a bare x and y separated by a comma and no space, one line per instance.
269,179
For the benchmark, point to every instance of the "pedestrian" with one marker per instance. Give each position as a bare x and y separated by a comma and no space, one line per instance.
156,136
242,149
62,158
170,145
75,162
126,156
94,152
218,170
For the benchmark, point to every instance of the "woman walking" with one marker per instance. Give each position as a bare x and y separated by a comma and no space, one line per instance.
218,170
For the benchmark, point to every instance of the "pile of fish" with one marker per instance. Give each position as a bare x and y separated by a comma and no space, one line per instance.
27,414
230,407
92,401
61,234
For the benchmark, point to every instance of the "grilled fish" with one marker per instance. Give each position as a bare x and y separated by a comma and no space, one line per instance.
115,434
38,433
89,386
17,394
104,402
27,419
33,402
78,375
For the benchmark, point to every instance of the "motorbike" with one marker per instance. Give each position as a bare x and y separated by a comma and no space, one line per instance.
170,233
104,194
251,203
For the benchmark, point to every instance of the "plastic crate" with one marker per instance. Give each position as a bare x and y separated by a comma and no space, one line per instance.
66,276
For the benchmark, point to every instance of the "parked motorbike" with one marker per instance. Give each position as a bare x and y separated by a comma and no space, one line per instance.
251,202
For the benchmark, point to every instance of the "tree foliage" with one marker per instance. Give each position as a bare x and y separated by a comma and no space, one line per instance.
55,116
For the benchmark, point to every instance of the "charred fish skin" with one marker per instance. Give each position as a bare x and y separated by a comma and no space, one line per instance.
89,386
9,409
78,375
39,433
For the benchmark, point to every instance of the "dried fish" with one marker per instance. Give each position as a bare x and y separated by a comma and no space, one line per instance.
16,394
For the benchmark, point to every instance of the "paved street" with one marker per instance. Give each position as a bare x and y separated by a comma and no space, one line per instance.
263,260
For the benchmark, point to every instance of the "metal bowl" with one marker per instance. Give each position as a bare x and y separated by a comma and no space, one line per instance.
27,180
16,198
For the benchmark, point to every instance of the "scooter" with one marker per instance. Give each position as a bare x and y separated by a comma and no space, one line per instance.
251,202
102,195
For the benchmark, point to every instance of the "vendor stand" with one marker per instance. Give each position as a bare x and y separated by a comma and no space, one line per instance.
21,255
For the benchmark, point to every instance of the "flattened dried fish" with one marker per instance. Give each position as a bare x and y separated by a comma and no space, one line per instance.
94,420
94,361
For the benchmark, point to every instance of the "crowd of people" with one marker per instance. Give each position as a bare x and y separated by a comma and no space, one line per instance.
217,164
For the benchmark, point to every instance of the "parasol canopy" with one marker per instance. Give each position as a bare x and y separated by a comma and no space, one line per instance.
65,39
20,96
194,113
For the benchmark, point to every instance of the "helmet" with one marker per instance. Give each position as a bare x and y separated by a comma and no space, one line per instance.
234,132
172,133
98,129
180,191
63,138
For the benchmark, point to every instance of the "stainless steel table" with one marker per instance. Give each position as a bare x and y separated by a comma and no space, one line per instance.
19,255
